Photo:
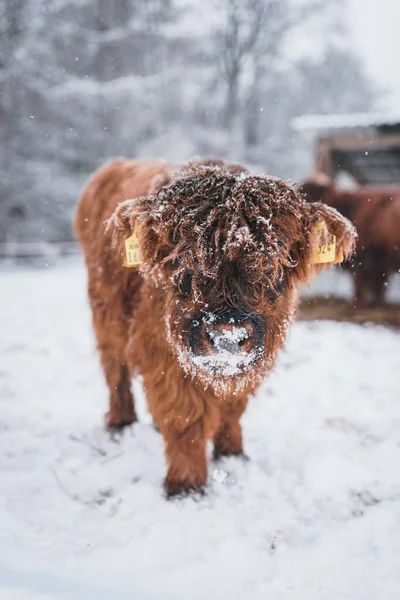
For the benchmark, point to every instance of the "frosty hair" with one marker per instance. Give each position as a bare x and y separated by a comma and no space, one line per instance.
210,219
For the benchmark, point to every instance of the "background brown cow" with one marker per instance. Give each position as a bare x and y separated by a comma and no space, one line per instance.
376,214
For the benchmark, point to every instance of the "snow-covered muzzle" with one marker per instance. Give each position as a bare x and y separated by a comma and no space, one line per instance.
225,342
223,348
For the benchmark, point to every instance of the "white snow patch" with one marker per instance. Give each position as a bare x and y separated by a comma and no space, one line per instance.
224,362
227,360
223,337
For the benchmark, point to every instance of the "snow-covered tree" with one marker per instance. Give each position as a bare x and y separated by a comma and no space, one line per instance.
82,81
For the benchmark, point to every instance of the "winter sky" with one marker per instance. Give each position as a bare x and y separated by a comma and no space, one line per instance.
374,27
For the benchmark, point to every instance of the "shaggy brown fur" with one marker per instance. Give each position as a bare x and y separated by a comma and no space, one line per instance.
376,214
223,253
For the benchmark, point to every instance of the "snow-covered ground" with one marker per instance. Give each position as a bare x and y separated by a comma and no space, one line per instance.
315,513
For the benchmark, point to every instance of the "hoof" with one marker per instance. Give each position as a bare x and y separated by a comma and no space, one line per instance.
118,424
220,453
181,489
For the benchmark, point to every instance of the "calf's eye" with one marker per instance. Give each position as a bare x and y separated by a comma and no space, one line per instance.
279,287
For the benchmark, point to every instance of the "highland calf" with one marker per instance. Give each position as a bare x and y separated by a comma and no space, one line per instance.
214,258
375,212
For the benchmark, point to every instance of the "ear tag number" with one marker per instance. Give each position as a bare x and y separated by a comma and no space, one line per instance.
132,256
325,246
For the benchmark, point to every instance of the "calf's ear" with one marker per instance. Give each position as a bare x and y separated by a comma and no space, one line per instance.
332,236
123,227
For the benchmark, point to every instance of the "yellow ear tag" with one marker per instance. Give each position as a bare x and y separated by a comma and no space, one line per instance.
325,246
132,256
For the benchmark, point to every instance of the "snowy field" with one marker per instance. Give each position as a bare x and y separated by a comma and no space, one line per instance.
314,514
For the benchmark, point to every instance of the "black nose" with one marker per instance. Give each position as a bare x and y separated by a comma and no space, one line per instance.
229,331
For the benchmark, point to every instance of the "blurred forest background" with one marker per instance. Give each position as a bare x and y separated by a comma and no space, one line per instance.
83,81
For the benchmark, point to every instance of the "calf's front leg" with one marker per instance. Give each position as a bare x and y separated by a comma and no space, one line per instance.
228,439
187,418
185,452
110,333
